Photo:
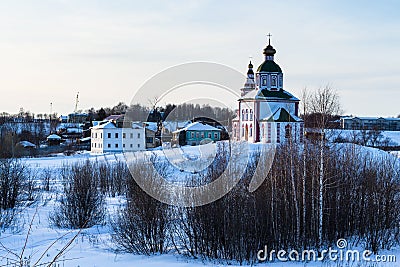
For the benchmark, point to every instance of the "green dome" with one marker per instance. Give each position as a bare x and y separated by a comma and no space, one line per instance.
269,66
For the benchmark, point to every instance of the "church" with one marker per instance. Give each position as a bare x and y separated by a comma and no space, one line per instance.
267,113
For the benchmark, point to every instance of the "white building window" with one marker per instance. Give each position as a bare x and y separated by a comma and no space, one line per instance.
251,114
116,135
278,132
123,135
269,133
138,135
116,145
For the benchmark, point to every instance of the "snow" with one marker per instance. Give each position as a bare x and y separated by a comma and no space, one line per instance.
26,144
84,139
93,246
53,137
104,125
198,126
152,126
393,136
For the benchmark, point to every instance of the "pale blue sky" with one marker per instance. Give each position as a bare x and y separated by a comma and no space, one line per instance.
49,50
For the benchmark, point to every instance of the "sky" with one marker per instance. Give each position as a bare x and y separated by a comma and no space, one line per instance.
106,50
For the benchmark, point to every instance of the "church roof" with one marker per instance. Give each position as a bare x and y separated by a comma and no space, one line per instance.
269,66
277,94
282,115
266,94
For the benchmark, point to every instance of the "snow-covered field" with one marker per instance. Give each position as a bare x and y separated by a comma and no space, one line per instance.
393,137
93,246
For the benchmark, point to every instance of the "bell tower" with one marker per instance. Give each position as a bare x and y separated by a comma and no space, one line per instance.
269,75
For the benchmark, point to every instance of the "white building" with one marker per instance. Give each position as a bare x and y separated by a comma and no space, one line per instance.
266,112
107,137
370,123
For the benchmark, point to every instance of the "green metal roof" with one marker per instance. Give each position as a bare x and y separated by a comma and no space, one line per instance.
269,66
279,94
282,115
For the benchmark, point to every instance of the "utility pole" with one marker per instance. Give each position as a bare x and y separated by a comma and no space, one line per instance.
51,110
76,103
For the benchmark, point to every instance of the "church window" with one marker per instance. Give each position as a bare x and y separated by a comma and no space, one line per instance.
247,115
301,132
242,130
278,132
273,81
288,131
251,129
242,114
264,81
251,114
269,133
263,131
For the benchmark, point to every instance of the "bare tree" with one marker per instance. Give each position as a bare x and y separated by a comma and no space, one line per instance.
82,204
324,103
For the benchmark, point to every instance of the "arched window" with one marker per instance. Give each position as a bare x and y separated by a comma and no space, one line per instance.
288,131
242,114
269,133
242,130
251,130
247,114
263,131
251,114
